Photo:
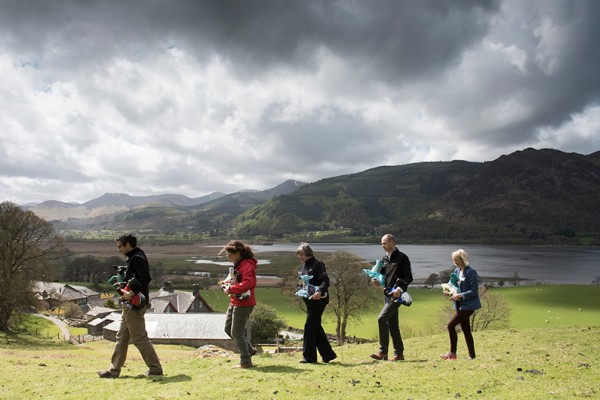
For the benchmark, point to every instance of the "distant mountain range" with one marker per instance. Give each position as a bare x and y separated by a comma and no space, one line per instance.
529,196
123,206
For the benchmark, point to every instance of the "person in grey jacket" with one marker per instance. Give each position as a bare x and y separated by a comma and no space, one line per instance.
466,301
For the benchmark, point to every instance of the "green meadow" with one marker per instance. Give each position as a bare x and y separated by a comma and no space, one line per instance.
550,351
530,307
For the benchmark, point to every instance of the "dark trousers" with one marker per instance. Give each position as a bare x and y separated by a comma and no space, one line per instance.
315,338
462,318
237,323
389,326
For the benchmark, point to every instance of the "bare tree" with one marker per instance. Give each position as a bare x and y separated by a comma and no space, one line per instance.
444,276
26,244
494,312
515,278
596,280
349,289
432,279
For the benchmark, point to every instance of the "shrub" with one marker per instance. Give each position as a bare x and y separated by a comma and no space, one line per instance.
72,311
265,323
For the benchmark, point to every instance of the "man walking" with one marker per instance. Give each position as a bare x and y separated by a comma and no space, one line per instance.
397,272
133,324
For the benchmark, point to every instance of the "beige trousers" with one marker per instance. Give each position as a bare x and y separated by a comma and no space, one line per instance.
133,328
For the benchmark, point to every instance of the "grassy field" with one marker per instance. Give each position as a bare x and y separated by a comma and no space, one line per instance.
536,363
530,307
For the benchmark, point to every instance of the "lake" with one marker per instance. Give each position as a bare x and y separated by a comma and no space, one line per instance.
546,264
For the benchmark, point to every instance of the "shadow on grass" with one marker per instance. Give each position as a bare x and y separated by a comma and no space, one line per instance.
161,379
275,369
29,342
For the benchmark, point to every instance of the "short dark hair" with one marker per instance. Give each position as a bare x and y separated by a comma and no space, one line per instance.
128,238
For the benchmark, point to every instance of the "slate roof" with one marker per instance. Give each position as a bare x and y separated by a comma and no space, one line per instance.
180,299
180,326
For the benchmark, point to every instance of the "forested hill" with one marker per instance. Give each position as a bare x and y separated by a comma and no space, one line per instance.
544,196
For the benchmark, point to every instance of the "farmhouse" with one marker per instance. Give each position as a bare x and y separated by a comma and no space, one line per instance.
55,294
168,300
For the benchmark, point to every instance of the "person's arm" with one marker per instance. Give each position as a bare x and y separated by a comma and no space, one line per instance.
248,279
473,289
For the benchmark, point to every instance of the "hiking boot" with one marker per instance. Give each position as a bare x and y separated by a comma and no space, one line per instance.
398,357
379,356
107,374
448,356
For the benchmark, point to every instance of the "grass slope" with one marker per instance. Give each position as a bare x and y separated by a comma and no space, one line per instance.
528,364
530,307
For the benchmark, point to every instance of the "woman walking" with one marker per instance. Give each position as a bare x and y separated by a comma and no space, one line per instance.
466,301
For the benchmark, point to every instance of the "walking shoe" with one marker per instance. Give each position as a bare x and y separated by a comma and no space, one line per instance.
379,356
154,373
327,360
448,356
305,361
398,357
107,374
243,365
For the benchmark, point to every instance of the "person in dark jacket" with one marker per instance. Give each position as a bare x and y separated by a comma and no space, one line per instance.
397,276
241,306
466,301
133,324
314,335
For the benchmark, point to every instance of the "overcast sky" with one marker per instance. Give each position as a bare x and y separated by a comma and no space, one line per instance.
191,97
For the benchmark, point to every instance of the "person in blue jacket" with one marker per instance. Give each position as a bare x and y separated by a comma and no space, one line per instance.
466,301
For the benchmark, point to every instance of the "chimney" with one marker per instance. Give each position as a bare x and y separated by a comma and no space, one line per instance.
168,287
195,289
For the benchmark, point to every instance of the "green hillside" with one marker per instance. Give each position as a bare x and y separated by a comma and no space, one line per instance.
530,196
540,363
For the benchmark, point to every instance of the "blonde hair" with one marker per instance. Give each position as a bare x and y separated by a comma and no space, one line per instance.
460,253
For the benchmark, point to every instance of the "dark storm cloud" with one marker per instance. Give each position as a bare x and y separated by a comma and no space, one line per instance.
213,95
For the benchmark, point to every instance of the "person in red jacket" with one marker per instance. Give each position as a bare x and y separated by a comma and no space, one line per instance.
240,305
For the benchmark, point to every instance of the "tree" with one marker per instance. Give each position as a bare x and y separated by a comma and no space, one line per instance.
27,242
84,269
493,314
264,323
494,311
444,276
349,289
432,279
515,278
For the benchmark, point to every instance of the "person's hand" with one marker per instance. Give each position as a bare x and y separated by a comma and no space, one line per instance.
226,290
456,297
127,295
316,296
375,282
396,293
